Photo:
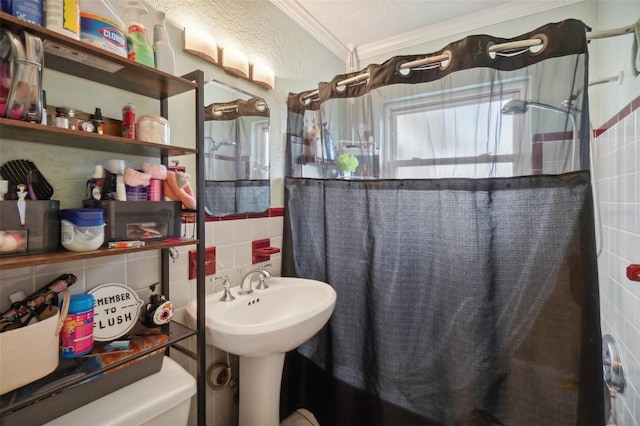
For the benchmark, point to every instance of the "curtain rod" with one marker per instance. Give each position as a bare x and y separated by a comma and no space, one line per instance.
592,35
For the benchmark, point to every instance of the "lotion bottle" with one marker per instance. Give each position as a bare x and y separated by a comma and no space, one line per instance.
164,55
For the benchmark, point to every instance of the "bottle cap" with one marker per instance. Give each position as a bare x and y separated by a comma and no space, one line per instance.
98,172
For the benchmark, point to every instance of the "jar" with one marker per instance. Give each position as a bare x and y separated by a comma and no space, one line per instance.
61,120
82,229
74,122
153,128
76,335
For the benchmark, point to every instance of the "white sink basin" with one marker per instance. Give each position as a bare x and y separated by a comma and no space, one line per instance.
267,322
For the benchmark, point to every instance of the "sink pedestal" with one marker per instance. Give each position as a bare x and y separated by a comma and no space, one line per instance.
260,380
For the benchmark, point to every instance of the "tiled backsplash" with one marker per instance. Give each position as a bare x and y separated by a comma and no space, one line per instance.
617,175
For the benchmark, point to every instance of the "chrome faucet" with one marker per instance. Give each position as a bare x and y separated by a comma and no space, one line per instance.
262,273
227,296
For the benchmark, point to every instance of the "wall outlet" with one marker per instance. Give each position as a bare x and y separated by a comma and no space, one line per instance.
209,262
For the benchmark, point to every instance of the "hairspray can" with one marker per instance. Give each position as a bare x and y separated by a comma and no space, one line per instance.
76,336
129,121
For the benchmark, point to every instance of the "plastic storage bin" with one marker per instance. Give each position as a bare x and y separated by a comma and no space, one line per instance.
82,229
31,352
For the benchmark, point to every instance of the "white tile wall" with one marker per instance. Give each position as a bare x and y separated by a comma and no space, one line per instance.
139,270
617,174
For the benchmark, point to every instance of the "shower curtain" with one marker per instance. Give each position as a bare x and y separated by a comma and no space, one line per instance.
462,248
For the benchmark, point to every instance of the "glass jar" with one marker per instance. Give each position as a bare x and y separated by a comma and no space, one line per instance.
61,120
74,122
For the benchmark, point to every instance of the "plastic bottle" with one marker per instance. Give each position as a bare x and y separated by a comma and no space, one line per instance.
164,54
101,26
98,122
63,16
76,336
139,48
94,185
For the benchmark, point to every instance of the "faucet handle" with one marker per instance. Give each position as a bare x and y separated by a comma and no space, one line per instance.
263,269
227,296
263,274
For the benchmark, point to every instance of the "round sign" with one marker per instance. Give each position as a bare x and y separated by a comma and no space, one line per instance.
115,311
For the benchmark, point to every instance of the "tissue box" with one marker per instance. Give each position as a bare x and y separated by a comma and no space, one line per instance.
40,233
139,220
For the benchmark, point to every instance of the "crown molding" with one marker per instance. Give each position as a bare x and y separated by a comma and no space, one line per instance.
302,17
464,24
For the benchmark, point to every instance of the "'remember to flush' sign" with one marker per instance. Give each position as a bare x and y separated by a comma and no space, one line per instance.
115,311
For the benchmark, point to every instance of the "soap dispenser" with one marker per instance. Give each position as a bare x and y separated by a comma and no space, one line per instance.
158,311
164,54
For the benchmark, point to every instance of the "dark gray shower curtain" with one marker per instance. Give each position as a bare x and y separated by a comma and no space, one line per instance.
461,301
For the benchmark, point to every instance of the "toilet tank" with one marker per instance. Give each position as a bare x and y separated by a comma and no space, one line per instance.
161,399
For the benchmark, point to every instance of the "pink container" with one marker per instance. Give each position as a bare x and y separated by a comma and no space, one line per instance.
155,191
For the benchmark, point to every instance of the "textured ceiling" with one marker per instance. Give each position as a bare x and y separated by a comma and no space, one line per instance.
374,27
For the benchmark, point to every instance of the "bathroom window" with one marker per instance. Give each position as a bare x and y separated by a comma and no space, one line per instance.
438,136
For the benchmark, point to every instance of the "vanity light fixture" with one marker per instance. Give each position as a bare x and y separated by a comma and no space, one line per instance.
235,62
262,75
201,44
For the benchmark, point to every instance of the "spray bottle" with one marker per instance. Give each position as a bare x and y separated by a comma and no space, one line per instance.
165,57
139,48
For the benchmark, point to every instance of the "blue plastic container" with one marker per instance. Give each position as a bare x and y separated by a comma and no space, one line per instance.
82,229
76,336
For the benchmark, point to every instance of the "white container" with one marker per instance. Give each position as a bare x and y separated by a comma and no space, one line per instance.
153,128
81,238
63,16
101,26
161,399
31,352
82,229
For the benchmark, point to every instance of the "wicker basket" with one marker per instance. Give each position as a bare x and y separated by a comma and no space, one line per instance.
30,353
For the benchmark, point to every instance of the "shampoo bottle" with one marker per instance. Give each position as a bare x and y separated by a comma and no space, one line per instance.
165,57
139,48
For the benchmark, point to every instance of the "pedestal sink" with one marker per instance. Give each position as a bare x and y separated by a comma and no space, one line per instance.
261,327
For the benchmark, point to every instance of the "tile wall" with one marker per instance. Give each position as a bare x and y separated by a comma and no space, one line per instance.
617,175
232,239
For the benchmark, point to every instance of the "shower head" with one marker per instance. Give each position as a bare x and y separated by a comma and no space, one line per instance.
517,106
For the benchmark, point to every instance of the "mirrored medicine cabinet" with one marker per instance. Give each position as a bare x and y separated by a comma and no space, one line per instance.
236,151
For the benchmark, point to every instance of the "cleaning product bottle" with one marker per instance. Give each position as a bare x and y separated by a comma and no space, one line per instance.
165,57
63,16
139,48
101,26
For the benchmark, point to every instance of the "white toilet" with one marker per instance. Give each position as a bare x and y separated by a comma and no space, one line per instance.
161,399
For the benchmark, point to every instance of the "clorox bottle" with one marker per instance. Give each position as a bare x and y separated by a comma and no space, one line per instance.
101,26
139,48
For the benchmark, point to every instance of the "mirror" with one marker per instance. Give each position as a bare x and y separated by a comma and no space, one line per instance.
236,151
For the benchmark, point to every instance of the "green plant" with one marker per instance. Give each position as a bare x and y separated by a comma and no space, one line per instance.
347,162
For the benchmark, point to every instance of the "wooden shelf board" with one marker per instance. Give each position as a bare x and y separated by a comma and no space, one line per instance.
130,76
69,256
33,132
